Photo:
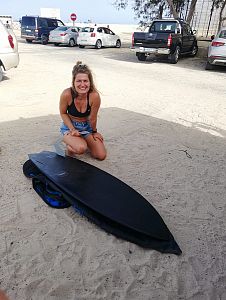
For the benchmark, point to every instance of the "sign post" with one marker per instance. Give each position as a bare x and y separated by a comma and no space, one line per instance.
73,18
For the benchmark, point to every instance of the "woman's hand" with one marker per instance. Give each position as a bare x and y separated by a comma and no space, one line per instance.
98,136
74,132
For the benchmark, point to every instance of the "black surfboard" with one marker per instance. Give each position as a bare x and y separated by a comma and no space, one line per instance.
104,199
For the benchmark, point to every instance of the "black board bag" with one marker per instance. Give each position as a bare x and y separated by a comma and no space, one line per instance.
102,198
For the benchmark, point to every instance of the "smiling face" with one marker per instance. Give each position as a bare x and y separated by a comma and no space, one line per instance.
82,83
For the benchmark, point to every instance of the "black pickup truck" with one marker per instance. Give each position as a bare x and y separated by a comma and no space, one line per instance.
169,37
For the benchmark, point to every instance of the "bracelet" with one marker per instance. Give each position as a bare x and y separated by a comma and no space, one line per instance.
94,131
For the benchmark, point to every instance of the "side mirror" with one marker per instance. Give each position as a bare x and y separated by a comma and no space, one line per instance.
194,31
178,30
212,37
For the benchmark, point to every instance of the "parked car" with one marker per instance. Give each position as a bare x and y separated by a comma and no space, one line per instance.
98,37
217,50
64,35
38,28
9,56
169,37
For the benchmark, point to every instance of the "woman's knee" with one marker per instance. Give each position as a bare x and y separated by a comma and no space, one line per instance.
80,149
101,155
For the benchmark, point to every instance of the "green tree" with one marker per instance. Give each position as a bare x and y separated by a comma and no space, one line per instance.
147,10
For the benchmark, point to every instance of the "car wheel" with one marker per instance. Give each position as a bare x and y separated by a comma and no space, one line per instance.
194,50
174,57
1,73
56,44
71,43
81,46
98,44
141,56
118,44
209,66
44,39
28,41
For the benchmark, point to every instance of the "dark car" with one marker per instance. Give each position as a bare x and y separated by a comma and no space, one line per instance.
169,37
34,28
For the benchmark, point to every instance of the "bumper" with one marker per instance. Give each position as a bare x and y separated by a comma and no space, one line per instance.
145,50
217,60
58,41
10,60
29,37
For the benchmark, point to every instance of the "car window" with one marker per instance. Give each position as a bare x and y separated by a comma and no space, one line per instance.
52,23
222,34
186,29
74,30
106,30
87,29
28,21
43,23
163,26
59,23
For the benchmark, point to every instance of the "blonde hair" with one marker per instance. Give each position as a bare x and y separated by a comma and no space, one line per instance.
84,69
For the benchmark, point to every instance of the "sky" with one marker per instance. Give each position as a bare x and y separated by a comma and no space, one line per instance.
98,11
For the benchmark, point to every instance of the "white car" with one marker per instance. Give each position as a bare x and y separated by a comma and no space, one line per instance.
217,50
9,56
98,37
64,35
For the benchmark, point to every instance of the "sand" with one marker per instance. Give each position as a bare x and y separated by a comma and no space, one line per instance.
164,128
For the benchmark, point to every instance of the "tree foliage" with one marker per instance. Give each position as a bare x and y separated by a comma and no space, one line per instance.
147,10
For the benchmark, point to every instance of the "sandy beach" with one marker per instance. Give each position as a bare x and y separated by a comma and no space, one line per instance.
165,132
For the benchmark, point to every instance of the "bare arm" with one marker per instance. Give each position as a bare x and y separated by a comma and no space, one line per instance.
65,99
95,105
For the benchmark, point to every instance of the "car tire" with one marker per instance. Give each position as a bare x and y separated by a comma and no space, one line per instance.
28,41
209,66
1,73
174,57
56,44
71,43
141,56
118,44
81,46
194,50
98,44
44,39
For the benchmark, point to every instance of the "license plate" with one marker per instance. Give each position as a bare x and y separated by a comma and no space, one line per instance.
28,30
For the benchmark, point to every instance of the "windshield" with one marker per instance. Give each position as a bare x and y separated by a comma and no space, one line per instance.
61,28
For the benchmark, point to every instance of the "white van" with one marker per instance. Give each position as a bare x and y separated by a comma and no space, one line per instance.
9,56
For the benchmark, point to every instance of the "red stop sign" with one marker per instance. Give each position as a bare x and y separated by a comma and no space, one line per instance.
73,17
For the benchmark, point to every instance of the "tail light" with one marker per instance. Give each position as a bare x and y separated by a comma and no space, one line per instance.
217,44
169,41
10,38
63,34
133,40
93,34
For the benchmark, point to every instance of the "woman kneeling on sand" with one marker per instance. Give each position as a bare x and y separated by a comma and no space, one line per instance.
79,107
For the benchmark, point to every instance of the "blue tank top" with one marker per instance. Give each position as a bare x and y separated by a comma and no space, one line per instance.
72,110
